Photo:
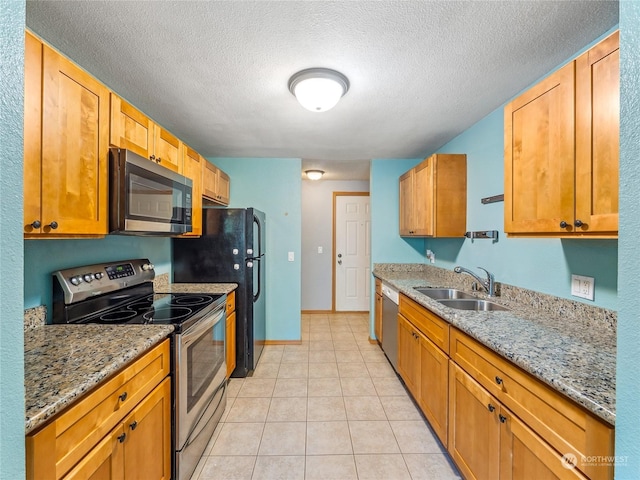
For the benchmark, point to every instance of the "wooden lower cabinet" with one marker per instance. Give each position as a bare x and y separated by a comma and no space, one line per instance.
120,430
131,450
230,334
487,441
434,383
409,355
377,325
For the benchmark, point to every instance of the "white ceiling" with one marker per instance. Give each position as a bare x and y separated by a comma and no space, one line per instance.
215,73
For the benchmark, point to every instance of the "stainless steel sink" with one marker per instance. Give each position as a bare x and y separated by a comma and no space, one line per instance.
444,293
476,305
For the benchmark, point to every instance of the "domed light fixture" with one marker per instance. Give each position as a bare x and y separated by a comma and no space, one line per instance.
318,89
314,174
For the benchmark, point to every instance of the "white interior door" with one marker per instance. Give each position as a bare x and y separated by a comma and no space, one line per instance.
352,255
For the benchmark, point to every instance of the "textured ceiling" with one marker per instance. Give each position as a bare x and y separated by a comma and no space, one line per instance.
215,73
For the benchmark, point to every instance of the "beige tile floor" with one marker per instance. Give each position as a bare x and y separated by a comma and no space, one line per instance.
331,408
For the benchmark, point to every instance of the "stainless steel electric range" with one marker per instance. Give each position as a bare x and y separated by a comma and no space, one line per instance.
122,293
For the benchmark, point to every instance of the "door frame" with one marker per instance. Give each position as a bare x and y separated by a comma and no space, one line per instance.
333,243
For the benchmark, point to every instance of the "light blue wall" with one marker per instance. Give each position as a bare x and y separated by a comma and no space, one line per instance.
41,257
12,23
273,185
628,361
544,265
386,244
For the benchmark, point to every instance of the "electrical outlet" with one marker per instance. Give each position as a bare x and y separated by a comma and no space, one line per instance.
320,250
583,287
431,256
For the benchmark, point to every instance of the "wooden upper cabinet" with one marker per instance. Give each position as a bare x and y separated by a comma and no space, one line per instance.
130,128
133,130
433,197
215,184
561,150
167,149
75,143
597,136
32,133
193,170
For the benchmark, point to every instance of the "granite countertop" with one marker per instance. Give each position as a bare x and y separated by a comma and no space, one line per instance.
161,284
568,345
62,362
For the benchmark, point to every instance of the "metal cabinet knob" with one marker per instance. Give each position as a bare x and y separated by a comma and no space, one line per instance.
123,396
36,224
498,380
152,158
53,225
563,224
502,418
133,425
578,223
121,437
491,407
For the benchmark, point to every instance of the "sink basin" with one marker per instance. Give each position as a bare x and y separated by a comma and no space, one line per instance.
444,293
476,305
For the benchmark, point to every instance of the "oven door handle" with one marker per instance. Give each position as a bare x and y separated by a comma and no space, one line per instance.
193,434
192,334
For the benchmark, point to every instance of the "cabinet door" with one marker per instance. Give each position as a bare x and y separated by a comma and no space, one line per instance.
193,170
224,187
408,355
423,198
230,344
104,462
406,203
147,446
167,149
75,140
32,133
524,455
598,136
209,181
539,157
434,386
474,427
378,318
130,128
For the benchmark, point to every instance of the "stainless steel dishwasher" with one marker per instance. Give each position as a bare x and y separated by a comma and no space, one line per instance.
390,324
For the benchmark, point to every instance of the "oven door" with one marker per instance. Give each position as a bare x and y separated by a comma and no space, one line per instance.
200,371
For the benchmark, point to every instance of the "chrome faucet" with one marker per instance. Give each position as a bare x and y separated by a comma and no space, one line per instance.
488,284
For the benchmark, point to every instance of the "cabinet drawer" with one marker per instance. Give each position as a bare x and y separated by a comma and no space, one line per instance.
231,303
558,420
432,326
57,447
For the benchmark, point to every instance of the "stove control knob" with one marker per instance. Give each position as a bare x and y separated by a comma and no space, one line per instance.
99,275
89,277
77,280
236,266
147,266
249,251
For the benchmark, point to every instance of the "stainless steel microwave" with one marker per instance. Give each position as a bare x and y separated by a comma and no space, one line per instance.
146,198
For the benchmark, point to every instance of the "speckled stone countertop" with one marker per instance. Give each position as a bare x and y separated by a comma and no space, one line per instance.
161,285
62,362
568,345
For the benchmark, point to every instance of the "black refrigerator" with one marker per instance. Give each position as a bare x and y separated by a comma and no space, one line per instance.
231,250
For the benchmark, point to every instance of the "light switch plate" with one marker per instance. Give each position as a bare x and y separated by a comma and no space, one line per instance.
290,257
583,287
320,250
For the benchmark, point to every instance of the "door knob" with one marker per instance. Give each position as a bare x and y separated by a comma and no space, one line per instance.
339,255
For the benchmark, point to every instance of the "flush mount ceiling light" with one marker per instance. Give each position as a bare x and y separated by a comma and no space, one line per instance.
318,89
314,174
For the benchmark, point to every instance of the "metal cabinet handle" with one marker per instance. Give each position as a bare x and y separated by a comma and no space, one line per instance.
498,380
502,418
491,407
123,396
36,224
121,437
133,425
